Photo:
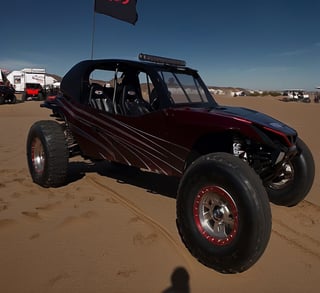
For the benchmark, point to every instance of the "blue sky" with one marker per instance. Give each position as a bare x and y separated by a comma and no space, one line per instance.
269,45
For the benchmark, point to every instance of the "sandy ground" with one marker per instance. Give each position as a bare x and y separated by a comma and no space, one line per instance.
113,230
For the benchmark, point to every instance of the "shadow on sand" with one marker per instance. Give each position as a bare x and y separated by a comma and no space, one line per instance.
153,183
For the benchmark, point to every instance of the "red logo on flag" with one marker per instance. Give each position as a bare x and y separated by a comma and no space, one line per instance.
123,2
122,9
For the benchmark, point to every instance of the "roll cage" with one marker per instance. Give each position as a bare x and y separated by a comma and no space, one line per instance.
162,84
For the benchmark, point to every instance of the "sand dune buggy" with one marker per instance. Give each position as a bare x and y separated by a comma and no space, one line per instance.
33,91
158,115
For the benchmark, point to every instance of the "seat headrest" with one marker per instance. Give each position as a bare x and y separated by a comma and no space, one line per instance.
97,90
131,93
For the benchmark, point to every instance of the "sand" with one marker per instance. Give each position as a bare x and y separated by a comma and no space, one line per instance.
113,230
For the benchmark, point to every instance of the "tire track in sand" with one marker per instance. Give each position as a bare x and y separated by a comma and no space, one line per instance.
181,250
300,220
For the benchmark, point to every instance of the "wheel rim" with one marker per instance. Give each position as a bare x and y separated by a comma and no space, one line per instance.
37,155
284,179
216,215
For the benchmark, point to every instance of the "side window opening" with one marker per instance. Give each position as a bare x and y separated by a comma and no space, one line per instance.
146,86
149,91
102,86
125,93
134,99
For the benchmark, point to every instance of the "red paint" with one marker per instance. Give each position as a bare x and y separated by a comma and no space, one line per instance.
123,2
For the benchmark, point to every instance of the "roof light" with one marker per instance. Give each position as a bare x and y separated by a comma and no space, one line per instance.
161,60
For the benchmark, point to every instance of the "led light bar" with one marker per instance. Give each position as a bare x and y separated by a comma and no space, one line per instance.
161,60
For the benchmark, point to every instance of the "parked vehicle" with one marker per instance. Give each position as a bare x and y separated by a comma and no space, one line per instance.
33,91
7,91
7,95
296,95
157,114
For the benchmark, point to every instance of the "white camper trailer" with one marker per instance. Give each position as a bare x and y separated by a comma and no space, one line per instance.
19,78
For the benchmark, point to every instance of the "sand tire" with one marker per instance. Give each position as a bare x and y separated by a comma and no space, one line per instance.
47,154
296,180
223,213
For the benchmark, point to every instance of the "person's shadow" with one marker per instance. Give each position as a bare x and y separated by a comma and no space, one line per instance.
179,281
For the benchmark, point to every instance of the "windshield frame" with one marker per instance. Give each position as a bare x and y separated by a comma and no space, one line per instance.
186,89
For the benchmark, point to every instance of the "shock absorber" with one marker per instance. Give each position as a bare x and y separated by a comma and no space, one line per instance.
71,142
237,149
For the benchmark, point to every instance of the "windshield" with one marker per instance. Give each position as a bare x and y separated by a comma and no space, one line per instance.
185,88
33,85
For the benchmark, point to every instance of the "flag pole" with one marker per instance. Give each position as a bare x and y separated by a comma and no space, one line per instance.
93,27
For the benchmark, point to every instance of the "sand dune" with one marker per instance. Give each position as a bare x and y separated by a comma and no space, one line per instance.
113,230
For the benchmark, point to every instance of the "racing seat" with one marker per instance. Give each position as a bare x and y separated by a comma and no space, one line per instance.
132,103
100,99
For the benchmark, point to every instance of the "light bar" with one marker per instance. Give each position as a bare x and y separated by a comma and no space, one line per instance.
161,60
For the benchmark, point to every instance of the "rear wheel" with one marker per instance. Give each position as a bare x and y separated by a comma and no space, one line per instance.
47,154
223,213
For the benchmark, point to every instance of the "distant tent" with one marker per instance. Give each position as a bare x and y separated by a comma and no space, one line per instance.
121,9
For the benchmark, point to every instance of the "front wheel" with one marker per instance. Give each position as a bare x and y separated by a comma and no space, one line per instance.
223,213
295,179
47,154
12,99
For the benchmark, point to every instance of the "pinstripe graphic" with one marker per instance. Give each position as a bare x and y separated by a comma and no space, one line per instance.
118,141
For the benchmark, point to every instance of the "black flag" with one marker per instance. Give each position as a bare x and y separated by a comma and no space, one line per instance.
121,9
